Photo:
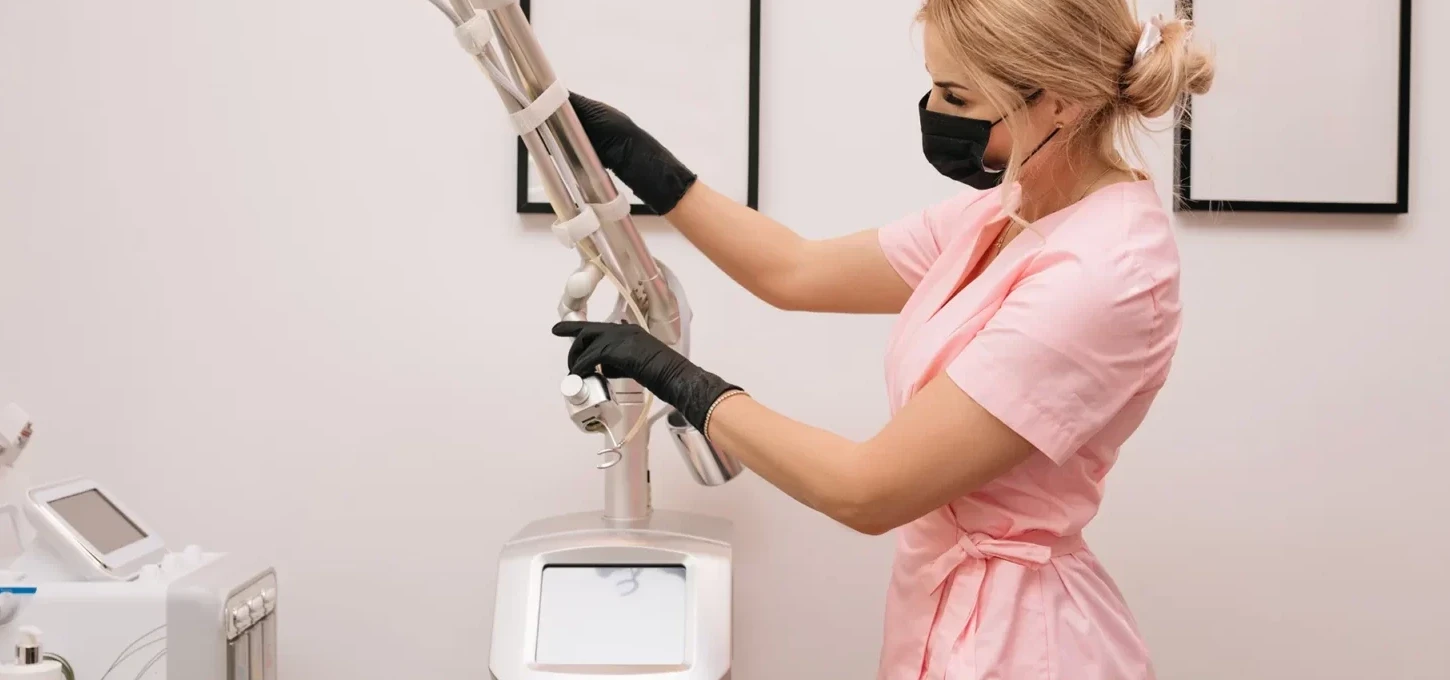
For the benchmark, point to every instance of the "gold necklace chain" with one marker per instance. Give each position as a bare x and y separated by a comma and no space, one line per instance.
1001,238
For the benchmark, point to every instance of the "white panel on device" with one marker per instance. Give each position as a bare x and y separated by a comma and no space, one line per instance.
612,615
579,596
90,532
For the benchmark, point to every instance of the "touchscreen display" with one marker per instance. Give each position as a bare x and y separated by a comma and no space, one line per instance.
612,615
97,521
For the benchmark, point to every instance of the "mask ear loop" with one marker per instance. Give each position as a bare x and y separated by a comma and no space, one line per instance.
1044,143
1028,100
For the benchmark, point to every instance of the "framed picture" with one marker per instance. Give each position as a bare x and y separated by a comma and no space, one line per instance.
687,72
1310,110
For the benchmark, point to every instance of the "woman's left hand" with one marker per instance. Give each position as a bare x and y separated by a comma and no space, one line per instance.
620,350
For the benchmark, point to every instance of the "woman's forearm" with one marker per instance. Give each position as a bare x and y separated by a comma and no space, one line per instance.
940,446
757,252
813,466
845,274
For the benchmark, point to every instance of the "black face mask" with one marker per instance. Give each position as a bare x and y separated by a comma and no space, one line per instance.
956,146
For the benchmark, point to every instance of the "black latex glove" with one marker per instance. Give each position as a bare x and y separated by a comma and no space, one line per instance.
639,160
619,350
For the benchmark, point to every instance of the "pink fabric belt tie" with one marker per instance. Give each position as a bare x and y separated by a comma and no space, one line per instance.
963,567
1025,551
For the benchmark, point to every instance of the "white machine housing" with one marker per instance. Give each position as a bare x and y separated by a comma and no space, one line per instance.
677,634
186,615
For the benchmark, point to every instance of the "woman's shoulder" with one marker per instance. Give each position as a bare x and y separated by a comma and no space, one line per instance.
1115,258
1124,232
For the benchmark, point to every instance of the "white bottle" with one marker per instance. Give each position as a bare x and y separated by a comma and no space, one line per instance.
30,662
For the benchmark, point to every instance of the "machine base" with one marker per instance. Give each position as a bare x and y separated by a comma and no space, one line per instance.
604,629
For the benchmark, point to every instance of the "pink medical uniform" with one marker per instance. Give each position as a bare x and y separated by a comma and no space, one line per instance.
1066,337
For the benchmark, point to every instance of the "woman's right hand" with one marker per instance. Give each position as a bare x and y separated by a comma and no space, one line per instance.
638,159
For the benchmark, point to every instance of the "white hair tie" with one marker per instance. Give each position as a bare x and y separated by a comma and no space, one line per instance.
1151,37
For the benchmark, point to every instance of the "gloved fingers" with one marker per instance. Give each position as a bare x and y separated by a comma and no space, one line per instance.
582,333
596,116
637,158
609,370
607,360
570,329
605,348
585,351
588,361
593,333
583,104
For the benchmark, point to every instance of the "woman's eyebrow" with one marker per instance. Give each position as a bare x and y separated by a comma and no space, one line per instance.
949,85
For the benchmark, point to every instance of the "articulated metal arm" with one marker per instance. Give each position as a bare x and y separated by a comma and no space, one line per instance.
593,218
574,180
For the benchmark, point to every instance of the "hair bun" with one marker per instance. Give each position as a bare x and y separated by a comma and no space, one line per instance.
1173,69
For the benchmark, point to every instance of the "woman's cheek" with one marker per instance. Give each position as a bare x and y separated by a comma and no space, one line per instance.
999,148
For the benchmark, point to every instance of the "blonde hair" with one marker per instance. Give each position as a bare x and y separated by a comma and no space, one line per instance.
1080,50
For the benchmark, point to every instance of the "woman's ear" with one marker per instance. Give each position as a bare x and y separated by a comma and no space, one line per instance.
1064,112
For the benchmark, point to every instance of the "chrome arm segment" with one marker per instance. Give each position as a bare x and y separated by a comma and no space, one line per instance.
593,217
572,176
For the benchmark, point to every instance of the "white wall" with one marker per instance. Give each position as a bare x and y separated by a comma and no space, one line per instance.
260,271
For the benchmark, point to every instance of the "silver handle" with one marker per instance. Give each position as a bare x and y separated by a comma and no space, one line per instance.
709,465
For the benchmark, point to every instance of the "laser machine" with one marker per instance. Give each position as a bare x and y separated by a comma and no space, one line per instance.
627,591
91,592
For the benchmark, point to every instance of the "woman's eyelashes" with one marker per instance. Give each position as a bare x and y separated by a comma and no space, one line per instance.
952,99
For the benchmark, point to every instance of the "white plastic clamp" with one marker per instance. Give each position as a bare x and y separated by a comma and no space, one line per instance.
530,117
614,210
475,34
571,231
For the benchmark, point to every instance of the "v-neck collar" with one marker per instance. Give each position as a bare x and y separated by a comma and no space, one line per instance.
1029,240
1037,231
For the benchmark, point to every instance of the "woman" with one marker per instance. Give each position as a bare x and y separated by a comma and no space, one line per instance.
1039,314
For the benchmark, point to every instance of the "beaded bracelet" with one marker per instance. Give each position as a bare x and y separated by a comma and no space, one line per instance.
715,405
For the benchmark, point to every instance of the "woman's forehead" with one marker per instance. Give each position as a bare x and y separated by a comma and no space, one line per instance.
940,62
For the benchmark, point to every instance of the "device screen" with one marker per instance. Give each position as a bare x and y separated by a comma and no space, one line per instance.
96,520
612,615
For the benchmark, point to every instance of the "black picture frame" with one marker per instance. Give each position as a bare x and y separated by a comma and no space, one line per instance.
1183,145
752,187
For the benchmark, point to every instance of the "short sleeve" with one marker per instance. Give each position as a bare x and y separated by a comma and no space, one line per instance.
915,241
1072,343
